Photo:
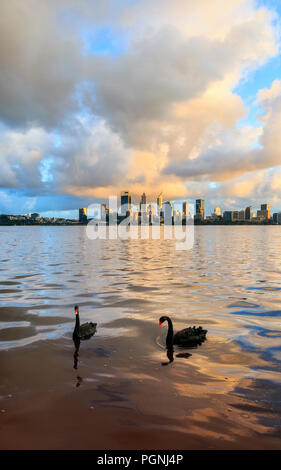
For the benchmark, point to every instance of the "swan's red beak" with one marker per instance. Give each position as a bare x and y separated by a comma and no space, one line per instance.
160,323
76,311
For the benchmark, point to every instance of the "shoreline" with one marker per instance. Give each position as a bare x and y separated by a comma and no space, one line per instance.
75,224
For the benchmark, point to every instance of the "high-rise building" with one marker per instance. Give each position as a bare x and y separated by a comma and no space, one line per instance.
82,214
151,209
125,202
248,213
265,207
159,201
143,203
168,210
264,212
185,208
104,211
277,217
200,209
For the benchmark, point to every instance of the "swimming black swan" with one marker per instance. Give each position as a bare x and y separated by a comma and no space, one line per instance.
191,336
84,331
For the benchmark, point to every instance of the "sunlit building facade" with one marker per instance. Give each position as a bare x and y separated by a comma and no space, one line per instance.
83,214
159,201
264,212
125,202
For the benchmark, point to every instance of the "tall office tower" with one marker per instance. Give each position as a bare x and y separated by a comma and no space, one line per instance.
248,213
168,210
265,207
104,211
125,202
264,213
200,209
82,214
143,203
159,201
151,209
185,208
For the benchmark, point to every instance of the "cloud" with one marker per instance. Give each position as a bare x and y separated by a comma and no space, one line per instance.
20,155
159,115
237,150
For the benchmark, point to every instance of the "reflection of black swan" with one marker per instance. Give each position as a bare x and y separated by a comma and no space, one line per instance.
191,336
76,342
84,331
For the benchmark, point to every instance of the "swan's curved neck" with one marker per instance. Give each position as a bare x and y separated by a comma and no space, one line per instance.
170,334
77,322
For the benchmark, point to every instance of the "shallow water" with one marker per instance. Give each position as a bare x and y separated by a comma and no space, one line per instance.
123,392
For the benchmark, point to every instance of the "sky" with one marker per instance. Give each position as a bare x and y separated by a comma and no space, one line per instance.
179,97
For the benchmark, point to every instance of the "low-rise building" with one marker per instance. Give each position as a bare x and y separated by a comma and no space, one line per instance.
35,215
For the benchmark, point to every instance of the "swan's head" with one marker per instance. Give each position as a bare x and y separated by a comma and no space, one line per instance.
76,309
162,319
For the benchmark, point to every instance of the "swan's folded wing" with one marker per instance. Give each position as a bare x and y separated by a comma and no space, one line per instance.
189,336
87,329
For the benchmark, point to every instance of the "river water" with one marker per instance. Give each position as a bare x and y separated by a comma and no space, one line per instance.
119,391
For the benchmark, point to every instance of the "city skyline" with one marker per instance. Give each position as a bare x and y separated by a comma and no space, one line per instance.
199,205
165,210
185,101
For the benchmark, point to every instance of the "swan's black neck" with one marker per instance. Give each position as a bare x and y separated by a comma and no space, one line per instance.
170,334
77,325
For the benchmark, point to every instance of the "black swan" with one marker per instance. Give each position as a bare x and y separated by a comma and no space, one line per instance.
191,336
84,331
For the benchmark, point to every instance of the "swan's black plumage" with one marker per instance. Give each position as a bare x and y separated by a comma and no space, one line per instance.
191,336
84,331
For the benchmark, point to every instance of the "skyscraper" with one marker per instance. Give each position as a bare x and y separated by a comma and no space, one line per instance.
159,201
104,211
83,214
168,210
248,213
143,203
125,202
200,209
264,213
265,207
185,208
